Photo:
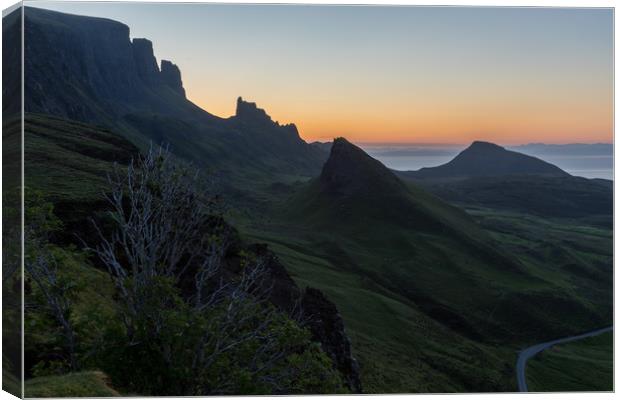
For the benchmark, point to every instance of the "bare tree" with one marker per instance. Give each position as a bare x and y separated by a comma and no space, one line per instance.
164,228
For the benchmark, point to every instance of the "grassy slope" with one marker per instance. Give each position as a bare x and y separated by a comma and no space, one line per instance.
398,294
82,384
375,281
93,307
399,347
544,196
584,365
576,257
11,301
401,311
69,160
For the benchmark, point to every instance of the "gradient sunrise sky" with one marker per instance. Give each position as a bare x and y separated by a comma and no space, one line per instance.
391,74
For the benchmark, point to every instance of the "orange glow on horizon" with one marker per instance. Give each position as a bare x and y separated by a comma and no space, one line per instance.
502,123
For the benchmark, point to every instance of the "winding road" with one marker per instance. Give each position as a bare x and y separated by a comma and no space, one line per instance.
537,348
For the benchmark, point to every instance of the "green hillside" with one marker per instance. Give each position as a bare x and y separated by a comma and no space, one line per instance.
426,289
69,160
413,275
563,197
441,275
583,365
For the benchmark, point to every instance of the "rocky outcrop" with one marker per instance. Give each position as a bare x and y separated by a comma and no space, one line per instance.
327,328
283,291
310,306
249,112
171,76
282,140
146,66
313,308
88,69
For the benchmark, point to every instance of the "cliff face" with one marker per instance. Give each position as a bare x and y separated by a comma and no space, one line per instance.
171,76
11,65
327,327
144,59
249,115
88,69
319,314
280,141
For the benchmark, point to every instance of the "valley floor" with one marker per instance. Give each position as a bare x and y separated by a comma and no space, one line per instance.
583,365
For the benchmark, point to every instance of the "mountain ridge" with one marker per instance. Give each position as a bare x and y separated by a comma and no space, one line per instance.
509,180
483,159
417,243
88,69
348,170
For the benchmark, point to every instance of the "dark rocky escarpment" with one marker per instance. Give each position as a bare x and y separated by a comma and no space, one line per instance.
171,76
87,69
249,114
327,326
146,66
281,142
11,65
310,306
315,310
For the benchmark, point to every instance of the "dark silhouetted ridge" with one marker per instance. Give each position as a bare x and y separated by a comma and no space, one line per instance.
350,171
488,159
249,111
171,76
488,175
89,70
354,186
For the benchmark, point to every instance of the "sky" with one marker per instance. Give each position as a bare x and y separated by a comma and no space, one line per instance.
390,74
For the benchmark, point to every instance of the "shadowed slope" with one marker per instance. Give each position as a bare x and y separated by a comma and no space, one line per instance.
355,188
350,171
364,236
